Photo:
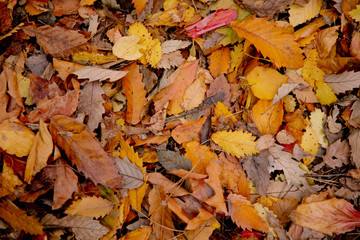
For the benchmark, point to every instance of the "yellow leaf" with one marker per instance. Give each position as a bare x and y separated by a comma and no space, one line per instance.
238,143
236,56
268,117
271,41
93,57
289,103
300,14
222,109
265,82
136,196
355,13
18,219
16,139
128,48
194,94
199,155
324,93
244,214
8,180
90,207
139,5
41,150
219,61
152,47
310,72
317,122
310,141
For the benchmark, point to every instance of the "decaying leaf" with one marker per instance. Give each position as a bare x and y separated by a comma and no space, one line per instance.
173,161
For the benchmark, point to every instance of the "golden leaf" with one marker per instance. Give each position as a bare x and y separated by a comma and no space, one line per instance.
265,82
90,207
324,93
271,41
355,13
41,150
300,14
189,131
139,5
199,155
317,122
310,141
238,143
222,110
310,72
16,139
267,116
138,234
8,180
219,61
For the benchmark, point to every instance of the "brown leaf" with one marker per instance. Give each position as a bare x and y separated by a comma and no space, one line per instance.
220,85
18,218
167,185
189,131
65,184
91,104
99,74
55,39
132,176
65,7
266,8
170,60
325,41
354,119
354,140
355,45
173,161
337,154
343,82
84,151
160,214
135,93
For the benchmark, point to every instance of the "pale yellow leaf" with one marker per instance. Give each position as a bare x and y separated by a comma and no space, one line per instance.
309,141
300,14
128,48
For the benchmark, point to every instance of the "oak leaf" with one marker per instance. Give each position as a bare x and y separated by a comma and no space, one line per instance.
85,228
265,82
16,139
244,214
267,116
41,149
84,151
238,143
18,219
90,207
135,93
327,216
271,41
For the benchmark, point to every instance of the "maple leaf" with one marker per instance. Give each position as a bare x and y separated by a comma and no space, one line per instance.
238,143
90,207
271,41
328,216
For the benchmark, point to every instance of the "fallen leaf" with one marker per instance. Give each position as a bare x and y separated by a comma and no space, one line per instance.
135,93
138,234
199,155
328,216
168,186
84,151
173,161
195,94
62,7
337,154
83,227
268,117
8,180
173,45
16,139
128,47
300,14
189,131
343,82
244,214
271,41
265,141
18,219
219,62
99,74
132,176
265,82
171,60
354,140
238,143
65,68
41,149
325,41
90,207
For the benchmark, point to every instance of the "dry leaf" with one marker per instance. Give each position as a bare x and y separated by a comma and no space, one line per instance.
173,161
41,149
219,62
271,41
171,60
354,140
264,142
90,207
337,154
199,155
99,74
168,186
85,228
132,176
343,82
174,45
238,143
84,151
189,131
268,117
300,14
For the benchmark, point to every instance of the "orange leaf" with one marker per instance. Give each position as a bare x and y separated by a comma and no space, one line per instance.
219,61
17,218
134,92
199,155
244,214
271,41
188,131
179,81
328,216
169,187
268,117
84,151
138,234
139,5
